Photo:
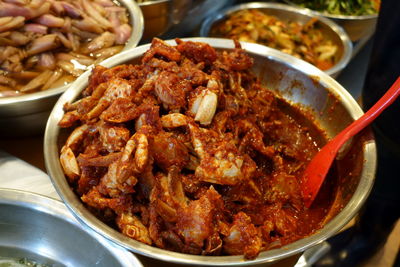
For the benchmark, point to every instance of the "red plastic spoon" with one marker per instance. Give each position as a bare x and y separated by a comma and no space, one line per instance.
316,170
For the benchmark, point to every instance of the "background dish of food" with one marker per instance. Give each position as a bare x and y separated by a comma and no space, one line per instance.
359,27
287,14
331,105
49,44
340,7
27,114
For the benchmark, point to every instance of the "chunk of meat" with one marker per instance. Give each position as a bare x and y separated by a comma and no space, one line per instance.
106,93
220,161
131,226
239,60
196,222
113,138
161,48
168,151
244,237
170,90
280,220
197,51
284,188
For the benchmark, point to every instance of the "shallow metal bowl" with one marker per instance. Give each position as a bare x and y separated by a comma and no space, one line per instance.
297,81
300,15
358,28
27,114
42,230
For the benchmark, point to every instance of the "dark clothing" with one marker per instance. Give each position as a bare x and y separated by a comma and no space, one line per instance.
383,70
382,209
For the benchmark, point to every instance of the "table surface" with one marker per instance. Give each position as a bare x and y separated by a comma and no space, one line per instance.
30,149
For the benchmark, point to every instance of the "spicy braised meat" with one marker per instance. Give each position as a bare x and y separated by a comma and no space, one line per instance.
187,151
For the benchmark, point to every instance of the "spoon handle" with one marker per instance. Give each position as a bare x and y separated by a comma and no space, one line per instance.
316,171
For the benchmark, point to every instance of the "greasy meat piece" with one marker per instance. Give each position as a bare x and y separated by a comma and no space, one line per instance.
149,115
220,161
197,221
121,110
97,160
96,78
168,151
96,200
193,72
69,119
280,220
161,65
253,137
171,90
101,75
244,237
284,188
113,138
193,186
238,60
293,141
160,48
197,52
131,226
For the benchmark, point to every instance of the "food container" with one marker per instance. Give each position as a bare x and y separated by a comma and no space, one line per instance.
175,18
42,230
288,13
359,28
331,105
27,114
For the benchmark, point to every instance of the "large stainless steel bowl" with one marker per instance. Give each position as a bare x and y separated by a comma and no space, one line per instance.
359,28
27,114
288,13
297,81
42,230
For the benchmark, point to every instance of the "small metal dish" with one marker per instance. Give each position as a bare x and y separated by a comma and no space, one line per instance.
359,28
300,15
42,230
300,83
27,114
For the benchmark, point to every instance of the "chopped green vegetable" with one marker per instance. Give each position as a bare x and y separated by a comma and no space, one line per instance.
342,7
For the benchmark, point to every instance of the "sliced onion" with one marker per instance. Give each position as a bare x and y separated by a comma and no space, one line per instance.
37,82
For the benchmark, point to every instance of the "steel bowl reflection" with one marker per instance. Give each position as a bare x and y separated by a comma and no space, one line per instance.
42,230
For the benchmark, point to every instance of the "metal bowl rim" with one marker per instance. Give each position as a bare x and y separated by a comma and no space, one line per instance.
89,220
336,16
55,208
135,17
153,2
339,31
